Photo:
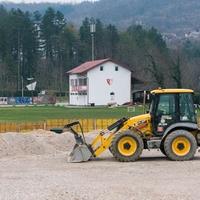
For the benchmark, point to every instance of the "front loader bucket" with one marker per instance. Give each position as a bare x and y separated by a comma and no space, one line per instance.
80,153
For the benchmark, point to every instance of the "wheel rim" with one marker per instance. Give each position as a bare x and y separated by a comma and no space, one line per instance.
181,146
127,146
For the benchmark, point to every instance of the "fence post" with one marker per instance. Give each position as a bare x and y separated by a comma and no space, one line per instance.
18,127
94,124
45,125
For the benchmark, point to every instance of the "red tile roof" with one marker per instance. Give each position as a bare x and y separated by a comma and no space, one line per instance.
87,66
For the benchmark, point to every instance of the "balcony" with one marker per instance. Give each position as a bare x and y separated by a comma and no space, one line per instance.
80,88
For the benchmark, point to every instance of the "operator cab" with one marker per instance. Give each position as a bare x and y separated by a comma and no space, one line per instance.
170,106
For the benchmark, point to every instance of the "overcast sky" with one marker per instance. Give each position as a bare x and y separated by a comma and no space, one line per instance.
38,1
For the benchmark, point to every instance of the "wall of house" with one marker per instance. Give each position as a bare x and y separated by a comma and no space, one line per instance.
75,97
78,99
109,86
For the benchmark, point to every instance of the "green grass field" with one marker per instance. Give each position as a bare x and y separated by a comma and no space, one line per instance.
51,112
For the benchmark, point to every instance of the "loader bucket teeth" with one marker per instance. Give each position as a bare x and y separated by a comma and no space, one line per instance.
80,153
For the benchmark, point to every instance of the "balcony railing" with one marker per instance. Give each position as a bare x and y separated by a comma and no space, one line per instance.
79,88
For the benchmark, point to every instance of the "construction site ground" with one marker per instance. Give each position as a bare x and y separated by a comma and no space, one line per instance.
34,166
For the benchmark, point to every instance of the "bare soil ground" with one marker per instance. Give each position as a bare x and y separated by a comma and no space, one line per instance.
34,167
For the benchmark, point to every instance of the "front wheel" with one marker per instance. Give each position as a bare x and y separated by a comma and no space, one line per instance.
162,149
127,146
180,145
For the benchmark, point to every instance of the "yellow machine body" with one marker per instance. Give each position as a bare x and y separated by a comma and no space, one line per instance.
176,137
142,124
171,91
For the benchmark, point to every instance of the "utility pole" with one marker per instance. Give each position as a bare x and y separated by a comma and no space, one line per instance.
92,31
18,61
22,79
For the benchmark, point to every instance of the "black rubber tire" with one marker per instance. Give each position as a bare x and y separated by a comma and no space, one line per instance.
162,149
168,145
114,146
110,149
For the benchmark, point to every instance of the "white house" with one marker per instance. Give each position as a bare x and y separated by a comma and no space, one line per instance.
99,82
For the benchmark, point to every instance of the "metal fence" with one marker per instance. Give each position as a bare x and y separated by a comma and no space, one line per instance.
87,124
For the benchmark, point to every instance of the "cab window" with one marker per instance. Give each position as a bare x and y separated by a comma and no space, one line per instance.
166,105
165,112
187,111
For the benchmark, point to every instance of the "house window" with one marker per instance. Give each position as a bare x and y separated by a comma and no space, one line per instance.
101,68
76,82
72,82
116,68
80,81
85,81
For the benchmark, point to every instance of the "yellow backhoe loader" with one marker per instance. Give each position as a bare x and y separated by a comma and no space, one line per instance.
170,125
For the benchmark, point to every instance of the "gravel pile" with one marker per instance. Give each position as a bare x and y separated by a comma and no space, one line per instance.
34,143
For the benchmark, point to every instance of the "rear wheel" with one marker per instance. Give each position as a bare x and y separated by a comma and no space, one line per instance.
180,145
126,146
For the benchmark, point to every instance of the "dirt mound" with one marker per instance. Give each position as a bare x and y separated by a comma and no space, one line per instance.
34,143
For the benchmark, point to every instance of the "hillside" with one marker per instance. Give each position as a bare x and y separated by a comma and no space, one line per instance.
168,16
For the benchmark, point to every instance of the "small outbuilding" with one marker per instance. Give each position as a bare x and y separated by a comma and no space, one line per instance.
99,82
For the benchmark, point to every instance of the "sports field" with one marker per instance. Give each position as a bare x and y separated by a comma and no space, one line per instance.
53,112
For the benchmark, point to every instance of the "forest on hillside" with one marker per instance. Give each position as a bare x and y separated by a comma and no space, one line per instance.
168,16
45,46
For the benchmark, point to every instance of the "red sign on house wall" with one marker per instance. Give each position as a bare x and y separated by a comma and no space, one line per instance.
109,81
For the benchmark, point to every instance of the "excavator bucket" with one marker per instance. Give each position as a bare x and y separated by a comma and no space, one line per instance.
80,153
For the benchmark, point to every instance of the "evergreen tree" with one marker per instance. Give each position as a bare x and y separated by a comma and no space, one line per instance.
176,72
112,40
85,41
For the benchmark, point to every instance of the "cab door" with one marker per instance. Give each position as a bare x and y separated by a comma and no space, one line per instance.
165,112
186,107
